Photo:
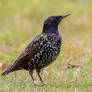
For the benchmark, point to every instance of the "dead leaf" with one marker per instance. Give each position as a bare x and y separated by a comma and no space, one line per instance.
2,66
68,66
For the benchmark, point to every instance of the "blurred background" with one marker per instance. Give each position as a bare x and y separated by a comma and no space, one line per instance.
22,20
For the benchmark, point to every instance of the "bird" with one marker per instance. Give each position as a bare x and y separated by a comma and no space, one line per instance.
41,51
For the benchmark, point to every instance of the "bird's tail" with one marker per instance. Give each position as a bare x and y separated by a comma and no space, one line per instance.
8,70
15,66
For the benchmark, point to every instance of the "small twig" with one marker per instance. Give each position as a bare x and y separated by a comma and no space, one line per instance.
69,66
74,65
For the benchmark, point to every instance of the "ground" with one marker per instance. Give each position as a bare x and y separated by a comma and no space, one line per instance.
21,21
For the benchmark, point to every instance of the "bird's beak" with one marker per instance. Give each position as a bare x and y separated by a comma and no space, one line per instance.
63,16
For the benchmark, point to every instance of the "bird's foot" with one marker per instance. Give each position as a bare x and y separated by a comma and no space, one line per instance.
42,85
35,82
39,85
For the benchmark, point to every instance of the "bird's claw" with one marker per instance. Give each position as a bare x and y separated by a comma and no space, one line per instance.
34,82
42,85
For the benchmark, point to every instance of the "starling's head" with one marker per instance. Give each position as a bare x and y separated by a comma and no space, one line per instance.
53,21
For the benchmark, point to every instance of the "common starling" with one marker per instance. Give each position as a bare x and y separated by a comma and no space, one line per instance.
42,51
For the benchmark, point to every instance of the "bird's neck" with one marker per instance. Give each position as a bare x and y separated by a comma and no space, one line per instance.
51,30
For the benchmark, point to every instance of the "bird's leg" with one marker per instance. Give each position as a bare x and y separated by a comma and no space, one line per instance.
40,78
31,74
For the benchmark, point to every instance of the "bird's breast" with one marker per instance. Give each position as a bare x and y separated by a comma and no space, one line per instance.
49,52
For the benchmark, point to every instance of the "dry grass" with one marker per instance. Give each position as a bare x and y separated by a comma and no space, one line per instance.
21,21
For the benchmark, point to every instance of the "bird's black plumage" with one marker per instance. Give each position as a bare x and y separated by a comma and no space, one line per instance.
42,51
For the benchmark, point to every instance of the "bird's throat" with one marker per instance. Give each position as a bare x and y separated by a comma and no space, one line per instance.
51,30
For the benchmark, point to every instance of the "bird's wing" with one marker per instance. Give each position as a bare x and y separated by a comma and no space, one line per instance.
35,45
33,48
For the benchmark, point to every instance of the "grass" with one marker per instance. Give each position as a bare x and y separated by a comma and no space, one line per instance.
21,21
